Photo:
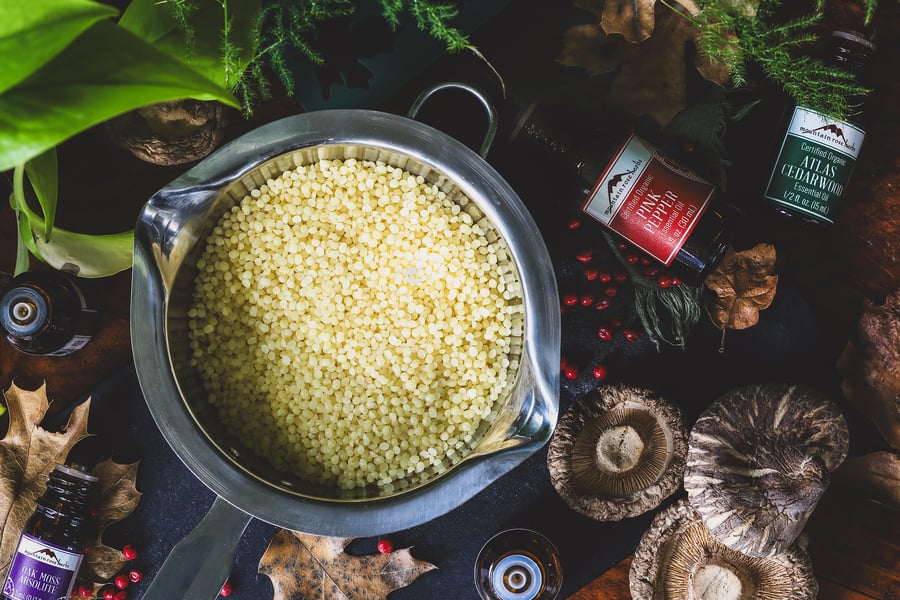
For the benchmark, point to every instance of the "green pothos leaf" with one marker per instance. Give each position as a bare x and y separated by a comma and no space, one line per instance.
31,33
43,175
83,254
105,72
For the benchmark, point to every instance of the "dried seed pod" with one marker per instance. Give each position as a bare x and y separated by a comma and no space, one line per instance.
170,133
758,461
618,452
678,558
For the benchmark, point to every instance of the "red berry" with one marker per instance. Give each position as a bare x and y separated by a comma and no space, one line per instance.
615,323
121,581
586,300
602,304
386,547
621,276
84,591
570,299
645,262
129,552
121,595
664,281
591,274
573,224
88,548
631,335
631,258
226,589
676,281
605,277
134,575
568,372
599,372
622,246
604,334
108,593
611,291
585,256
651,271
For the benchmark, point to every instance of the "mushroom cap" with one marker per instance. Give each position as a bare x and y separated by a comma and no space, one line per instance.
618,452
758,461
678,558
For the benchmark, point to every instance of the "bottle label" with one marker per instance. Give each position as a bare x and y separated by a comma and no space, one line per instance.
814,164
41,571
76,343
649,200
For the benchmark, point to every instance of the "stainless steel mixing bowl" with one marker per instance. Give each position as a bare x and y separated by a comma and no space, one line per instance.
169,237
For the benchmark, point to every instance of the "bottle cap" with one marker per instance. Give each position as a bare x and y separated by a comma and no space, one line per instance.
77,471
24,311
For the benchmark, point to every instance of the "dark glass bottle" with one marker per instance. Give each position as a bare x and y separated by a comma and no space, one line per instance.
50,551
46,313
817,153
642,196
518,564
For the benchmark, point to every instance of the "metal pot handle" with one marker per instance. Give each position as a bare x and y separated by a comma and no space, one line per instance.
480,95
199,564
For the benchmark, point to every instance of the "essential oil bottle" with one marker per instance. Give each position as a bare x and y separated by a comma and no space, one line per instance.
518,564
49,554
818,152
46,313
642,196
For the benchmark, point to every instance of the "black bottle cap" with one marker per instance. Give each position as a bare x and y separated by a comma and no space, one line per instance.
24,311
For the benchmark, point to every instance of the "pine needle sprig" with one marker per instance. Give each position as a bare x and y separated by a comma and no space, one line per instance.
434,17
737,39
181,11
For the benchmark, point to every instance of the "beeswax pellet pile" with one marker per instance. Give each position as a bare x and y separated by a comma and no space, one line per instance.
353,325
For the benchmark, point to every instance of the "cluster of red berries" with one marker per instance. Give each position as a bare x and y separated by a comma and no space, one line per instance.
115,591
571,371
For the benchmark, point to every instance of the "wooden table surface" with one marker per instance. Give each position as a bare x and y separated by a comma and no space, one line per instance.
854,544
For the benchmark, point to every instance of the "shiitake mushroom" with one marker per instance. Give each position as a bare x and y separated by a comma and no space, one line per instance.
618,452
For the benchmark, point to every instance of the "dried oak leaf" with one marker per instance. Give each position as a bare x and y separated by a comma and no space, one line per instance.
875,475
28,453
652,75
870,367
741,286
117,497
314,567
633,19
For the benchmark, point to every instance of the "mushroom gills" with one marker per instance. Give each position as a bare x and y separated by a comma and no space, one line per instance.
619,452
701,568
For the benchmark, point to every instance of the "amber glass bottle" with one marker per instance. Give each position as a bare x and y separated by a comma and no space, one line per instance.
51,548
46,313
636,192
518,564
817,152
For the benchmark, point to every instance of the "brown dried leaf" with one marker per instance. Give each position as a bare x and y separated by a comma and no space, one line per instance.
313,567
741,286
635,19
870,367
28,454
875,476
652,76
118,497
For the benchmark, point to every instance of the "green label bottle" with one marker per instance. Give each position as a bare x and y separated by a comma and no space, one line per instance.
818,153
